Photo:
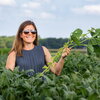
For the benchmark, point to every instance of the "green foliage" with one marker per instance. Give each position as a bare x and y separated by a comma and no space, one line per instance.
79,81
4,51
95,41
78,38
6,42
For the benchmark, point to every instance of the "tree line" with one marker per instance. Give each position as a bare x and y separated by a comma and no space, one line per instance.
50,43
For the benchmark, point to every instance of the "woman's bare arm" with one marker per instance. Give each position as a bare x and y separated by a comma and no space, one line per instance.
10,63
57,67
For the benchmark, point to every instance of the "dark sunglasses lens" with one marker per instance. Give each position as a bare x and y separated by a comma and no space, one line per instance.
33,32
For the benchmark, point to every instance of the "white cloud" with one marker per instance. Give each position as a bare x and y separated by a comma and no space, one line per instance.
46,15
28,12
88,9
7,2
31,5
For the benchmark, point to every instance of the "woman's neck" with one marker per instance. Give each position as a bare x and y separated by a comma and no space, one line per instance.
28,46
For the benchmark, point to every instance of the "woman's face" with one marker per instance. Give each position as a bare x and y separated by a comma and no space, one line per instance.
28,34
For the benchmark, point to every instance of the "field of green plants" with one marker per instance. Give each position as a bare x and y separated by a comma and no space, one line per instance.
79,80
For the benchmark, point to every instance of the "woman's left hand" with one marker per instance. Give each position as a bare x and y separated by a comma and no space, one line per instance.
65,52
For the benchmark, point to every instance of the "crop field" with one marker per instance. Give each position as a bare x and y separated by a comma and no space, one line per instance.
79,80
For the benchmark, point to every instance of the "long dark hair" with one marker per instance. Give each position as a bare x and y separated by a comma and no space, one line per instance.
18,43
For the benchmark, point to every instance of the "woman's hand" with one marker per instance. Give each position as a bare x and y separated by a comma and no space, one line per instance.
65,52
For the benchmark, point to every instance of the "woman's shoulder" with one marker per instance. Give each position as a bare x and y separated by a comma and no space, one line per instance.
44,48
12,53
46,51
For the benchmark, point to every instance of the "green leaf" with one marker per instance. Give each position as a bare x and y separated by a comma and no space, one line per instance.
83,35
1,97
98,41
82,99
27,86
76,36
12,97
98,31
97,50
75,39
93,41
77,33
92,31
48,80
45,67
93,96
74,76
95,32
48,98
90,48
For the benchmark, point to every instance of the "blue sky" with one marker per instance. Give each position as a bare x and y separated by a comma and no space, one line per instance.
53,18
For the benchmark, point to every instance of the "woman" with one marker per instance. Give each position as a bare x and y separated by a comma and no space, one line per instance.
27,54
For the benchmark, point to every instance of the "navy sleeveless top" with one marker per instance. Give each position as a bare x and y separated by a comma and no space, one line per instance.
31,59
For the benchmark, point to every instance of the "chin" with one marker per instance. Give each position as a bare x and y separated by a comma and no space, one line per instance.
29,42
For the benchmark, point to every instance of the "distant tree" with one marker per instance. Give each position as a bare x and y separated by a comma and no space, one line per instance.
53,43
2,44
6,41
50,43
9,44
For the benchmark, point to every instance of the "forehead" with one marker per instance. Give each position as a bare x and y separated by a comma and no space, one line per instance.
29,27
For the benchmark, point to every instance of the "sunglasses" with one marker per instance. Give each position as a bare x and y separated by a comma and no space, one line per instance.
28,31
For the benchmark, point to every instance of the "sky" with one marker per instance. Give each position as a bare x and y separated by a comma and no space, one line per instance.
53,18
